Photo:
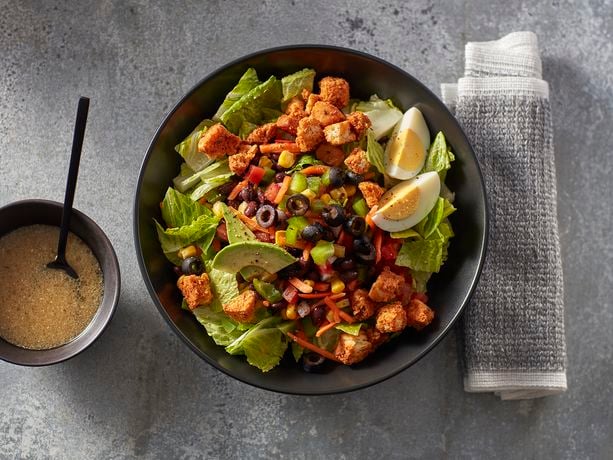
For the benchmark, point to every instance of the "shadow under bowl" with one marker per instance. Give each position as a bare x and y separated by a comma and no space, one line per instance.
33,212
449,290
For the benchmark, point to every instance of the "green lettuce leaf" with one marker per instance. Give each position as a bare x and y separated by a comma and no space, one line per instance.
222,329
252,106
420,280
353,329
303,162
374,152
439,157
188,179
188,148
201,232
210,184
297,351
179,210
246,129
264,344
426,255
382,113
293,84
247,82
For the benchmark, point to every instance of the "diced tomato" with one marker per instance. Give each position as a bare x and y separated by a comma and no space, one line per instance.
222,232
326,271
420,296
290,294
389,250
271,191
345,239
255,174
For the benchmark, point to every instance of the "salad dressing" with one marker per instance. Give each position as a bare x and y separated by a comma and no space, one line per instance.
43,308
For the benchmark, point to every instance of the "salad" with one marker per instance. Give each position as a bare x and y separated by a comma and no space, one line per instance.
306,222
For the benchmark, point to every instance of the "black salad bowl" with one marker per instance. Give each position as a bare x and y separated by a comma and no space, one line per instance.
32,212
449,290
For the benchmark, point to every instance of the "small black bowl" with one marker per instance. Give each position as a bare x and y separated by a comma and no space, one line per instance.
31,212
449,290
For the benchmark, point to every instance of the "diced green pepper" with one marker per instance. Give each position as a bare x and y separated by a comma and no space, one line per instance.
314,184
269,175
322,251
360,207
298,183
325,178
267,290
295,225
317,206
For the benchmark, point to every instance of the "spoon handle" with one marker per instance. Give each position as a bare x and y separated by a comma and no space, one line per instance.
73,172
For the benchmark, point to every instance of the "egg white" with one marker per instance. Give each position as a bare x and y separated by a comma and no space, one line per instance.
428,186
412,120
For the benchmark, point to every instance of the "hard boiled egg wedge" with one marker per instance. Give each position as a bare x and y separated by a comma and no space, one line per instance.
405,204
406,150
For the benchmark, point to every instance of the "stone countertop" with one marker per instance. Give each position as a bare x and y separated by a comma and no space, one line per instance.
139,391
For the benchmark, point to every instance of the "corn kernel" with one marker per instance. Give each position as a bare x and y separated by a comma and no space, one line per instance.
337,286
330,316
310,194
265,162
284,313
326,198
286,159
189,251
309,282
218,209
339,250
339,194
290,312
280,238
350,190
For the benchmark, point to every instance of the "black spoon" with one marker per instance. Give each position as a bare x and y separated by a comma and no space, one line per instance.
71,185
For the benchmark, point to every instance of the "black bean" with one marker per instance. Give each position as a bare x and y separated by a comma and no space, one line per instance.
337,176
354,178
248,193
280,176
313,232
348,275
251,209
318,314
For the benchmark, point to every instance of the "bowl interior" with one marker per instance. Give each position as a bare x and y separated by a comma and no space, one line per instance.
449,290
30,212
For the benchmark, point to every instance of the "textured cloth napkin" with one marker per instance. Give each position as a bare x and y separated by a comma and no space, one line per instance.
513,329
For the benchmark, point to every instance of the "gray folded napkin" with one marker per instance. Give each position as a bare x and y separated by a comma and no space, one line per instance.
513,329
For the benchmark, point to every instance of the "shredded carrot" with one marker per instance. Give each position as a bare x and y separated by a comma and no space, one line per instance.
346,316
368,217
301,286
314,170
324,328
278,147
333,297
305,344
283,190
314,295
334,309
320,286
237,189
378,243
306,251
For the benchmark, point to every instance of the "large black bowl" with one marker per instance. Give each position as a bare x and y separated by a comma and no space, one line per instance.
449,291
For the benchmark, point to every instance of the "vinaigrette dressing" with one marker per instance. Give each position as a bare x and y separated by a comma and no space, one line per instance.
42,308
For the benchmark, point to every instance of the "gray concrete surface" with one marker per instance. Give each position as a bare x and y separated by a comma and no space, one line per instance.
138,391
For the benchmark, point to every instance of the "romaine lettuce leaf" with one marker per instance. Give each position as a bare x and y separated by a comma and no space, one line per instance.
439,156
293,84
247,82
209,184
427,254
251,107
201,232
374,152
383,114
185,181
420,280
222,329
179,210
297,351
188,148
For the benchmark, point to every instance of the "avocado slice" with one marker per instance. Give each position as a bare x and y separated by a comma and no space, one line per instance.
237,232
265,256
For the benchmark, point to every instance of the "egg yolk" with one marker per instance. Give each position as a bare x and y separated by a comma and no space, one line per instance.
407,151
400,205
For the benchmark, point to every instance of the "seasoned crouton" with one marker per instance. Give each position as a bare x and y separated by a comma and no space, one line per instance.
289,123
352,348
359,122
262,134
419,315
339,133
242,308
311,101
357,161
363,307
238,163
326,113
387,286
295,107
217,141
305,94
375,337
309,134
196,290
391,318
330,154
335,91
372,192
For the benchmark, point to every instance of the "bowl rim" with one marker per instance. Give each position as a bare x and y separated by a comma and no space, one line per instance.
113,299
136,219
